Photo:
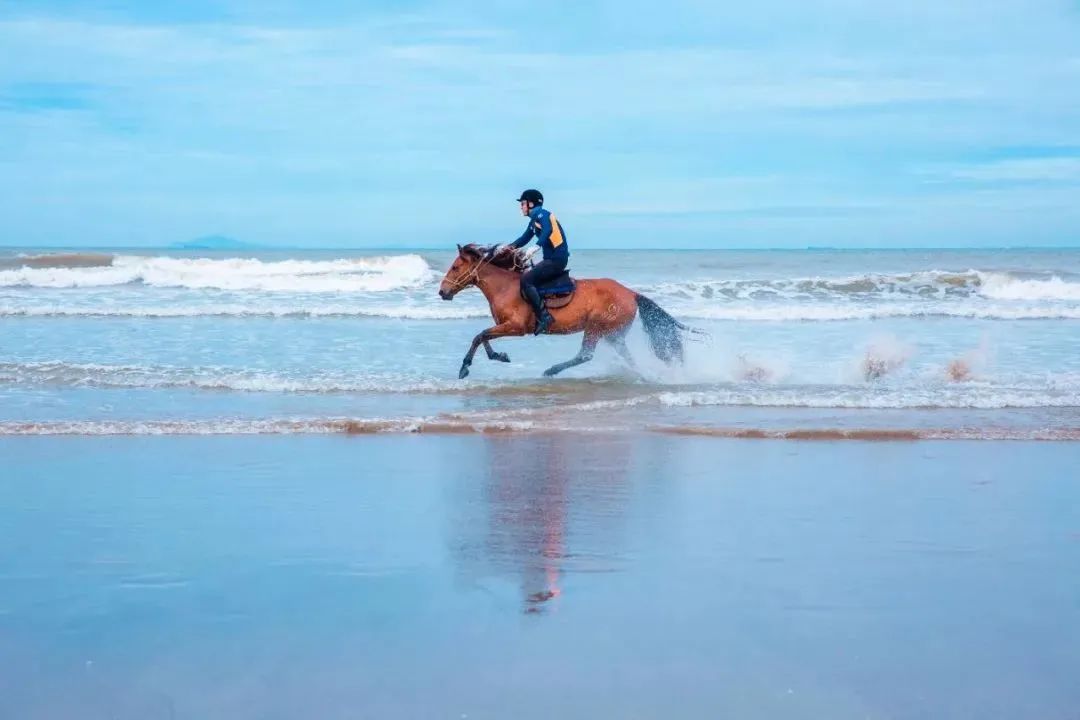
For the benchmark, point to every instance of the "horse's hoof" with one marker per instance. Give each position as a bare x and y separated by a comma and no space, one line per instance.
551,372
463,373
501,357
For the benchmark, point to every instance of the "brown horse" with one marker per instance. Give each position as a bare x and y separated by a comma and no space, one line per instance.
602,309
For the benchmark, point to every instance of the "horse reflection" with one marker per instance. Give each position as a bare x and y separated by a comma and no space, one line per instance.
528,501
535,490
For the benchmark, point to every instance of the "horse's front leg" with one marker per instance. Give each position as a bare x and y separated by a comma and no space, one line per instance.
500,330
492,355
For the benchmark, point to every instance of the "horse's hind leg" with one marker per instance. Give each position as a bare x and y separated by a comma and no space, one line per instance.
588,347
492,355
618,341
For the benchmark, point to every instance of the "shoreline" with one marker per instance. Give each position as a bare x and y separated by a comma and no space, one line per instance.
362,427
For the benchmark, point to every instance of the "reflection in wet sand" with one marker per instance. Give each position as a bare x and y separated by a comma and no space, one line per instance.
543,513
533,576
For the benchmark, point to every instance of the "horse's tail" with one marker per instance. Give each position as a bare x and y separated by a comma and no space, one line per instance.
664,331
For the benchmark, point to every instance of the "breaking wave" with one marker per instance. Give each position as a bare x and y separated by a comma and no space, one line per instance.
368,274
403,286
1001,286
927,285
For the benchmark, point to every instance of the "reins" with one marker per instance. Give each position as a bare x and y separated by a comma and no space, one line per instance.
462,283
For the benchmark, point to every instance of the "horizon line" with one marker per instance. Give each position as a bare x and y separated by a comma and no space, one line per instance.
404,248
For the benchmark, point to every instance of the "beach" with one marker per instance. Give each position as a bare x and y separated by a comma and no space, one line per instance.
478,361
537,574
251,485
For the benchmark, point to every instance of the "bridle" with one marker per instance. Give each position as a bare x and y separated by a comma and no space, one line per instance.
467,278
461,283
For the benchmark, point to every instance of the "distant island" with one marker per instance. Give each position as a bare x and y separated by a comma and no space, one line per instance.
213,242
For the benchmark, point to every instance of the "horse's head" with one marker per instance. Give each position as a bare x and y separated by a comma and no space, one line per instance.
462,272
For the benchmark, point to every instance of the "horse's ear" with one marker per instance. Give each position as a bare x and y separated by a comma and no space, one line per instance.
470,250
459,248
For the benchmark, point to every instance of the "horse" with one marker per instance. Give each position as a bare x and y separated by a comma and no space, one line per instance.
602,309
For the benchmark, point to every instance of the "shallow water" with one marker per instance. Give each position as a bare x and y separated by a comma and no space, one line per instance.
118,341
537,575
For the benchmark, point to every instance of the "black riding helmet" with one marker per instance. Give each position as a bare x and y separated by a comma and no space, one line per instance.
533,196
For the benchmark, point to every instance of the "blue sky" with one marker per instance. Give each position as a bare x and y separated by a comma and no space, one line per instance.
777,123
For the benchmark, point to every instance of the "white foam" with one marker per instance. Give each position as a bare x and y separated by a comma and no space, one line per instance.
435,425
810,312
169,427
923,284
403,311
970,293
1001,286
927,284
217,378
402,286
439,310
370,274
855,397
259,426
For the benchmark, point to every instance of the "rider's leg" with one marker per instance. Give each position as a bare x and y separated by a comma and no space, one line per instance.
541,272
528,289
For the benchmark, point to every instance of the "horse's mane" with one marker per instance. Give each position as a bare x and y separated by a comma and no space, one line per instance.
508,258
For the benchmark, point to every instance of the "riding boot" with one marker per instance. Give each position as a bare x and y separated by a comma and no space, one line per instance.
545,321
543,317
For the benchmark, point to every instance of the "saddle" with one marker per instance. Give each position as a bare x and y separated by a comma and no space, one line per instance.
558,292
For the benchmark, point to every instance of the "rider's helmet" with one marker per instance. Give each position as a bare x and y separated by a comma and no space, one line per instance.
533,196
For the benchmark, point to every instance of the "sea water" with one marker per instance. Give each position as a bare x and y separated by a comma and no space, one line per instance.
962,342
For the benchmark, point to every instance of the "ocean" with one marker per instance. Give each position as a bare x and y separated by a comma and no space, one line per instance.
252,486
845,343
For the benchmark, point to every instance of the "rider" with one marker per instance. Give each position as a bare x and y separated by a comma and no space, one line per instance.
552,240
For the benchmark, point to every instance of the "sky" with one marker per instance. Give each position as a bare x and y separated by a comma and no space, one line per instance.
689,123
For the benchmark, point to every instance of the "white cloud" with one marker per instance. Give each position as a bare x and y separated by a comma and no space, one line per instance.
235,119
1047,169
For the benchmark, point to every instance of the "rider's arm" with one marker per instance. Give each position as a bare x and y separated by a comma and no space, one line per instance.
543,235
525,237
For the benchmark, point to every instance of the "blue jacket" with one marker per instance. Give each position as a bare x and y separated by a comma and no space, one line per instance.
548,232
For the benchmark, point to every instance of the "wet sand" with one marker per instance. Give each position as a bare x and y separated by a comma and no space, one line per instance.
537,576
